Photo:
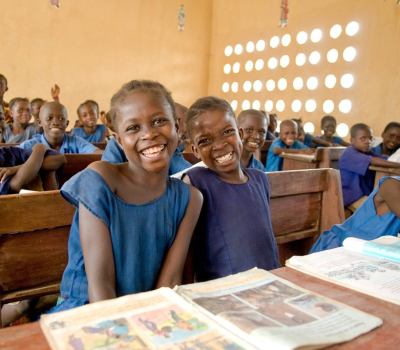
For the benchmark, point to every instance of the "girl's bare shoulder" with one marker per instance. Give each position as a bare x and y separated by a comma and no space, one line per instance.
111,173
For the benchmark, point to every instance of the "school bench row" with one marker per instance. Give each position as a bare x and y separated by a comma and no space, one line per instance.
35,228
30,336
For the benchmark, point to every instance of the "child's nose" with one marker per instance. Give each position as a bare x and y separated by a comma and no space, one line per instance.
148,133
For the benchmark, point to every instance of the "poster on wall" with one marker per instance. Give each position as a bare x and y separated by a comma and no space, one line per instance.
55,3
181,18
283,22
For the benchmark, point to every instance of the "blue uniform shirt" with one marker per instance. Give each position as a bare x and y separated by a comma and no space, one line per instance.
71,144
274,161
95,137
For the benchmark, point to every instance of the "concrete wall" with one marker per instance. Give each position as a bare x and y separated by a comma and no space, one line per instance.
90,48
374,94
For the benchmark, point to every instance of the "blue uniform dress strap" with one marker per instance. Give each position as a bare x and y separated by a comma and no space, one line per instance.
114,153
141,235
178,163
365,223
234,231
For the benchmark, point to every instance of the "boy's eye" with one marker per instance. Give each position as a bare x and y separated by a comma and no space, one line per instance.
249,130
202,141
229,131
262,132
132,128
158,121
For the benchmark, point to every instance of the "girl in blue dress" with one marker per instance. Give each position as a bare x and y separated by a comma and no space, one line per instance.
133,224
234,232
90,131
378,216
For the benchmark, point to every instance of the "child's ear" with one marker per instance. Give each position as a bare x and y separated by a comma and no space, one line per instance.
39,122
177,121
195,151
241,133
118,140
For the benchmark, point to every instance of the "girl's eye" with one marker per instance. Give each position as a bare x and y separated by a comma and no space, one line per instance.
249,130
159,121
132,128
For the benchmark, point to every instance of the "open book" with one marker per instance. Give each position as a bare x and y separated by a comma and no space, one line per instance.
370,267
251,310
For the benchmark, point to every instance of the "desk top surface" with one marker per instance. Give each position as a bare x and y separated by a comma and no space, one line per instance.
387,336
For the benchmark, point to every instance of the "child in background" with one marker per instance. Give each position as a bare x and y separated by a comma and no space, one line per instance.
36,104
253,127
115,154
180,112
286,142
133,224
378,216
3,89
390,140
234,232
270,136
20,130
88,114
2,124
106,120
307,139
53,118
19,167
357,179
328,126
273,124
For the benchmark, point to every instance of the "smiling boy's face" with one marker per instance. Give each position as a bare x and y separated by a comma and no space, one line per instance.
254,128
54,120
288,132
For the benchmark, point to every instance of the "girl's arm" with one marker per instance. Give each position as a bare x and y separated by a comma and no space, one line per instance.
320,142
98,256
172,270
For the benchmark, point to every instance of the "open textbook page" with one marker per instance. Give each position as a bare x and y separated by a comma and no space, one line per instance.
369,267
154,320
272,313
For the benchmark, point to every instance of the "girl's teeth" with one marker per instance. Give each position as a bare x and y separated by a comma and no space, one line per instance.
224,158
152,151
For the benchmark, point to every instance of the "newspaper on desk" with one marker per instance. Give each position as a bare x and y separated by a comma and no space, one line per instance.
253,309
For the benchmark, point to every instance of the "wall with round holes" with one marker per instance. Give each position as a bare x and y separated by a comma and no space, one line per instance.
338,57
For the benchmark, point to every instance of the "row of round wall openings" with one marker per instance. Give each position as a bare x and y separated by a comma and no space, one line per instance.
310,105
332,56
346,81
301,38
342,129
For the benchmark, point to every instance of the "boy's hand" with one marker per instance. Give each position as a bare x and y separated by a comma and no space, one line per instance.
55,92
7,172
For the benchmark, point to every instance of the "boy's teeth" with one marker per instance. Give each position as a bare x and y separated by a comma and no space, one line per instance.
152,151
224,158
254,144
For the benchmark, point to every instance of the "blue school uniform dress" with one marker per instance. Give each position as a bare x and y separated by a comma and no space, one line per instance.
11,156
255,164
274,162
234,231
141,235
30,130
71,144
95,137
308,140
181,147
336,139
357,179
115,154
364,224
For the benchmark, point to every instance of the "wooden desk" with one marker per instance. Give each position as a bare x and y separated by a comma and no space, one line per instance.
382,172
30,337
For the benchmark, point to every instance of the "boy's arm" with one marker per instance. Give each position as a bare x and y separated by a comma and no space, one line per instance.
98,256
53,161
172,269
320,141
277,150
384,163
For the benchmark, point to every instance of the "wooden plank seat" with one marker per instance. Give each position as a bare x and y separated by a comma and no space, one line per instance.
382,172
33,244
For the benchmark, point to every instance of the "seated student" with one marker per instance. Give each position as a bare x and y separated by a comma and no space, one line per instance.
113,153
270,136
2,124
20,129
253,125
106,120
307,139
390,140
4,104
328,126
357,179
19,167
234,232
378,216
286,142
53,118
133,224
273,124
36,104
180,111
88,114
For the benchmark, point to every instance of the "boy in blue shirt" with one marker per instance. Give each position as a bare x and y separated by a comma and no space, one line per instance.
53,118
390,140
357,179
253,127
286,142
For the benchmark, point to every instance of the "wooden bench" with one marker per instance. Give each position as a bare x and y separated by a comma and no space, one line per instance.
100,145
382,172
34,235
75,164
304,203
327,157
262,154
